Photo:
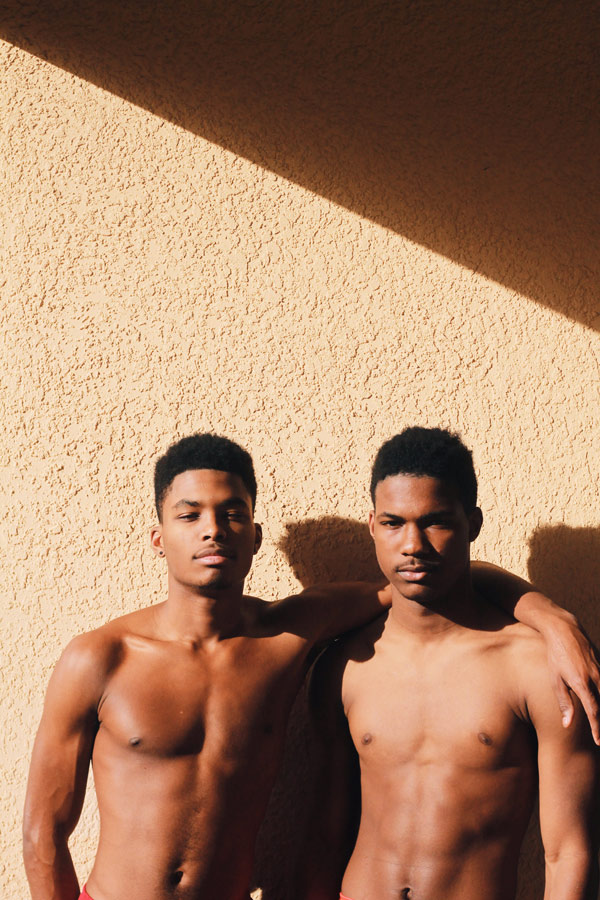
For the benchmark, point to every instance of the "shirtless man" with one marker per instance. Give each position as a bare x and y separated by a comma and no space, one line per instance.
182,707
443,710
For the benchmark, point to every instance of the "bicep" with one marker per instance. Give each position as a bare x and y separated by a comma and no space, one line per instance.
63,745
323,612
567,766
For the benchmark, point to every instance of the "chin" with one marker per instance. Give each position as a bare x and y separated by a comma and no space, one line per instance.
214,579
420,593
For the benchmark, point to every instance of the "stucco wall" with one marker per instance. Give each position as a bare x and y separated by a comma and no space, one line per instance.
194,248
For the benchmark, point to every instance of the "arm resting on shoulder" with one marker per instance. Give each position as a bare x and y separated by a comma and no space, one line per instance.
324,611
58,772
571,657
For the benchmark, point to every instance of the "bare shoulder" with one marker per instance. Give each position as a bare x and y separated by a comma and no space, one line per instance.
525,657
520,650
524,651
257,610
264,618
90,657
524,643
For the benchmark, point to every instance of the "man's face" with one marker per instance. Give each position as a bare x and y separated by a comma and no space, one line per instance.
207,533
422,535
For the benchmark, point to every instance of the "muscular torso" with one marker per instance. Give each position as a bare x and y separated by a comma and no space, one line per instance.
448,765
184,759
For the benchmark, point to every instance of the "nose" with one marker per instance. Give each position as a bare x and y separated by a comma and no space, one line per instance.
211,526
414,541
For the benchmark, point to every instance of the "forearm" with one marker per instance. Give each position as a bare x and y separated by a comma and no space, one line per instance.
517,597
541,613
49,868
571,877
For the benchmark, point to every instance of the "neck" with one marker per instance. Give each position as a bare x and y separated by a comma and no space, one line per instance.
456,609
201,614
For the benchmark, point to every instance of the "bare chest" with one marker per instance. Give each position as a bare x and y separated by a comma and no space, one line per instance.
456,712
167,704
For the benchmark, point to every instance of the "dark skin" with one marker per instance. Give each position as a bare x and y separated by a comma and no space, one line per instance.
443,712
182,709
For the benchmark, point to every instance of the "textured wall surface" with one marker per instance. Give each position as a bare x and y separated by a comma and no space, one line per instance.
179,257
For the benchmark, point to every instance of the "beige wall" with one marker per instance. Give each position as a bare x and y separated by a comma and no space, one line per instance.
304,233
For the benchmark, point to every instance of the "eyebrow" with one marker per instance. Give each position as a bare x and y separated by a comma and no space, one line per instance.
196,504
431,515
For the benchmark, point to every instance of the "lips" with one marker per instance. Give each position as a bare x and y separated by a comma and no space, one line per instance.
213,555
415,573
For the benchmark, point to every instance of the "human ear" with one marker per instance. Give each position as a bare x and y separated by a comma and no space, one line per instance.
156,540
372,523
475,523
258,536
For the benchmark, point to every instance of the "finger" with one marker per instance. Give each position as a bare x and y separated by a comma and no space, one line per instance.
565,703
595,677
589,701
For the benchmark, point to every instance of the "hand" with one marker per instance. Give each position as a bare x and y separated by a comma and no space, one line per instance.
573,664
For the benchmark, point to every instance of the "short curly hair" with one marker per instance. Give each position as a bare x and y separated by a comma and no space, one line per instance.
202,451
428,451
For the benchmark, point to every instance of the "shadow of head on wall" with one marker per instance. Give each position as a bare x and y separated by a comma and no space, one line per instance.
330,549
564,562
463,126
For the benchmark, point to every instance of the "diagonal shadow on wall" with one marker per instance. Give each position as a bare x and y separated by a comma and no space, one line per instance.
468,127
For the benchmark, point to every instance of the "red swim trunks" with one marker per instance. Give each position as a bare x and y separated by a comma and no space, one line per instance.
84,894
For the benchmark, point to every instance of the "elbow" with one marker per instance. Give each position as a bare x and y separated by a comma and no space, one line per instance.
32,849
41,841
581,855
30,832
571,872
34,841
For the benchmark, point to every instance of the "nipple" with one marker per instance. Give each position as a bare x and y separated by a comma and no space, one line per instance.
134,741
484,738
366,738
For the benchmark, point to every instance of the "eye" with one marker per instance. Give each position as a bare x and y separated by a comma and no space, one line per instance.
188,517
236,515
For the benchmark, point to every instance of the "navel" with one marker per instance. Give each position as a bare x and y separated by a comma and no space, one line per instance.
134,741
175,878
484,738
366,738
405,894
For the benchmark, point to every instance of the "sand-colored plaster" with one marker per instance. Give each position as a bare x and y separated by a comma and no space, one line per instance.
154,284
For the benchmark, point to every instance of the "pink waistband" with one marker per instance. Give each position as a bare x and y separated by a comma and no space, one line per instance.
84,894
343,897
